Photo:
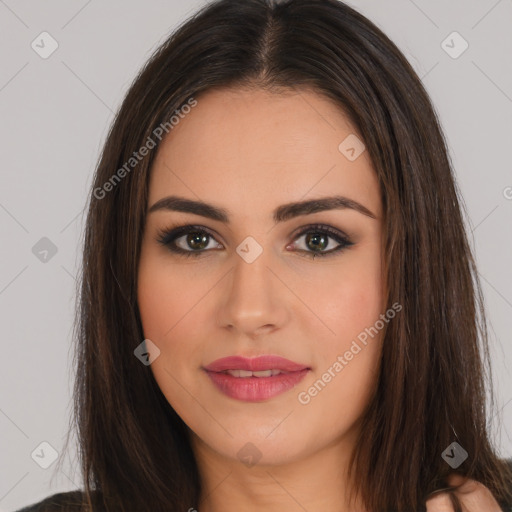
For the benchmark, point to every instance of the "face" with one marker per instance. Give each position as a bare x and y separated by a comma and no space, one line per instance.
298,283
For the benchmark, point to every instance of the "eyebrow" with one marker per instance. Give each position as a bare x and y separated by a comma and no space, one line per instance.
280,214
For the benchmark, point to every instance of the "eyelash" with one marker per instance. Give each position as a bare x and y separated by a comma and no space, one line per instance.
168,237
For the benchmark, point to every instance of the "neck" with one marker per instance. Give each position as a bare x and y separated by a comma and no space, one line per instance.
316,481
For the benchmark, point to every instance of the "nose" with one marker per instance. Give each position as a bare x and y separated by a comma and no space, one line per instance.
254,299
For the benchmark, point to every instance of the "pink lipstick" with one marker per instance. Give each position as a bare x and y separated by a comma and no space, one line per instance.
255,379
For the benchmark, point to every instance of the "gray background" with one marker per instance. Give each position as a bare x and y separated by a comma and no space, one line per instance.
55,113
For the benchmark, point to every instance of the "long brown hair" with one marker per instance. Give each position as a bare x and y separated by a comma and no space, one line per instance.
133,447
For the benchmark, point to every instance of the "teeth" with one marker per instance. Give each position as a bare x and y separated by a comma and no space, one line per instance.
247,373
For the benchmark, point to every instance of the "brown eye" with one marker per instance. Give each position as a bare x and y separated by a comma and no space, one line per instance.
196,241
319,238
317,241
187,240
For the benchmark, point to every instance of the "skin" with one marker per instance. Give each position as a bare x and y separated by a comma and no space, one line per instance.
473,496
250,152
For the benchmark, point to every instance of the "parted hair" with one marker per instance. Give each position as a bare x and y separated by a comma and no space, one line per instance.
434,374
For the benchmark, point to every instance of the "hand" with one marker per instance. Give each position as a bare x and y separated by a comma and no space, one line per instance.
473,496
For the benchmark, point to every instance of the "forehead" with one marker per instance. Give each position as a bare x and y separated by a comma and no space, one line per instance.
253,150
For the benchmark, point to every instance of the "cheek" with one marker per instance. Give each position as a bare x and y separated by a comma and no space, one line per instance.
162,312
155,302
175,315
347,366
167,301
351,307
167,320
353,300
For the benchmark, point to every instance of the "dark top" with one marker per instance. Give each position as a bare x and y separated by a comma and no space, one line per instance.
62,501
71,502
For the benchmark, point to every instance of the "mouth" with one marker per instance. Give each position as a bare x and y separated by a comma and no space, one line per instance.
255,364
255,379
247,373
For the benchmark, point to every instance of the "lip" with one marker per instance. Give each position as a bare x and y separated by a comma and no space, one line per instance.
254,364
255,389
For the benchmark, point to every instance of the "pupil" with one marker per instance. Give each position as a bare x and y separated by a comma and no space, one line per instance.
196,240
315,238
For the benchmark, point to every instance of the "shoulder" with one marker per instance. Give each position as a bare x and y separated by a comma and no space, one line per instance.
71,501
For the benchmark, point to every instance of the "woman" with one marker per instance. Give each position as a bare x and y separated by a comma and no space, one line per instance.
279,307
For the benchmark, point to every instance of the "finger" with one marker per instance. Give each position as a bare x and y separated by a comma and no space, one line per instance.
440,503
467,485
473,495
